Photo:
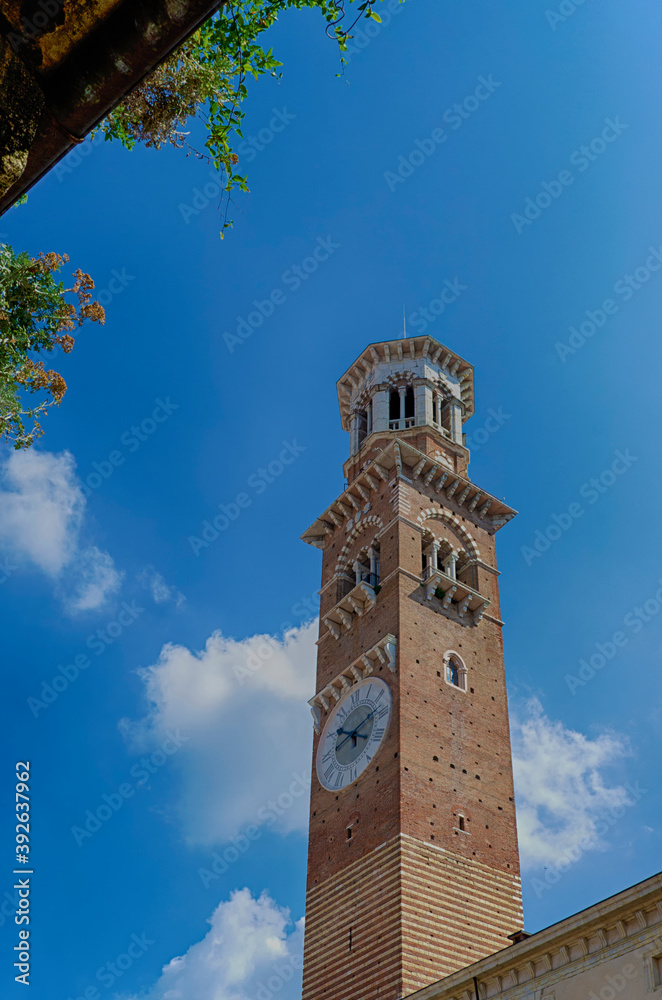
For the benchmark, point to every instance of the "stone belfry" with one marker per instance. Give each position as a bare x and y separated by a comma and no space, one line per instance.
413,868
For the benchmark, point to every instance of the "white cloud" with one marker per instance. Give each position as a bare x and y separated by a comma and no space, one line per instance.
96,578
42,509
161,592
249,953
243,706
562,794
242,703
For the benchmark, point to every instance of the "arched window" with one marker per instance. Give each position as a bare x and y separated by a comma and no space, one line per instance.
409,407
455,672
366,567
438,555
362,426
401,409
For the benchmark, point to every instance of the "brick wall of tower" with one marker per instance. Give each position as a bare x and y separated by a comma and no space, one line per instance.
422,897
372,804
366,897
413,911
425,440
455,910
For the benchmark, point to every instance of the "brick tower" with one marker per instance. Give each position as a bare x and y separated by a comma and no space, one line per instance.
413,869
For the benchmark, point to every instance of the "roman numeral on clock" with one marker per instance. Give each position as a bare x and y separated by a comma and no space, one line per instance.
353,733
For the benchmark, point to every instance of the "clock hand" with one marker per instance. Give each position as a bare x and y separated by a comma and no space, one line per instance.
356,731
367,719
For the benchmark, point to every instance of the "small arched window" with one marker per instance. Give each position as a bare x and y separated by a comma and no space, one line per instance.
362,426
455,671
401,408
366,566
409,404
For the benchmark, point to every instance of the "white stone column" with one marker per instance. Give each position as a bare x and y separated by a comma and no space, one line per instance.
428,398
450,566
456,421
402,392
380,403
353,433
373,561
440,405
357,572
420,404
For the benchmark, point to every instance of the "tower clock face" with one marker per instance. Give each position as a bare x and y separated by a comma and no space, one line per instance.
353,733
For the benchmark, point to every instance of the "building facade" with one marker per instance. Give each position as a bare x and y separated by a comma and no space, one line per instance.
612,951
413,868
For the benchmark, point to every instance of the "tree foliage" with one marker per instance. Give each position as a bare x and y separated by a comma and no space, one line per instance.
37,313
206,77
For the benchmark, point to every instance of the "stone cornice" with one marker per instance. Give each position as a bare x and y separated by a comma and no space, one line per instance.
383,652
413,348
455,490
579,940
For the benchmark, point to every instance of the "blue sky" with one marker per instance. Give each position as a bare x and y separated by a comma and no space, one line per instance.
229,726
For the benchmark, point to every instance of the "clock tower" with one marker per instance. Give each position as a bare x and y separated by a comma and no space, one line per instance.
413,870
